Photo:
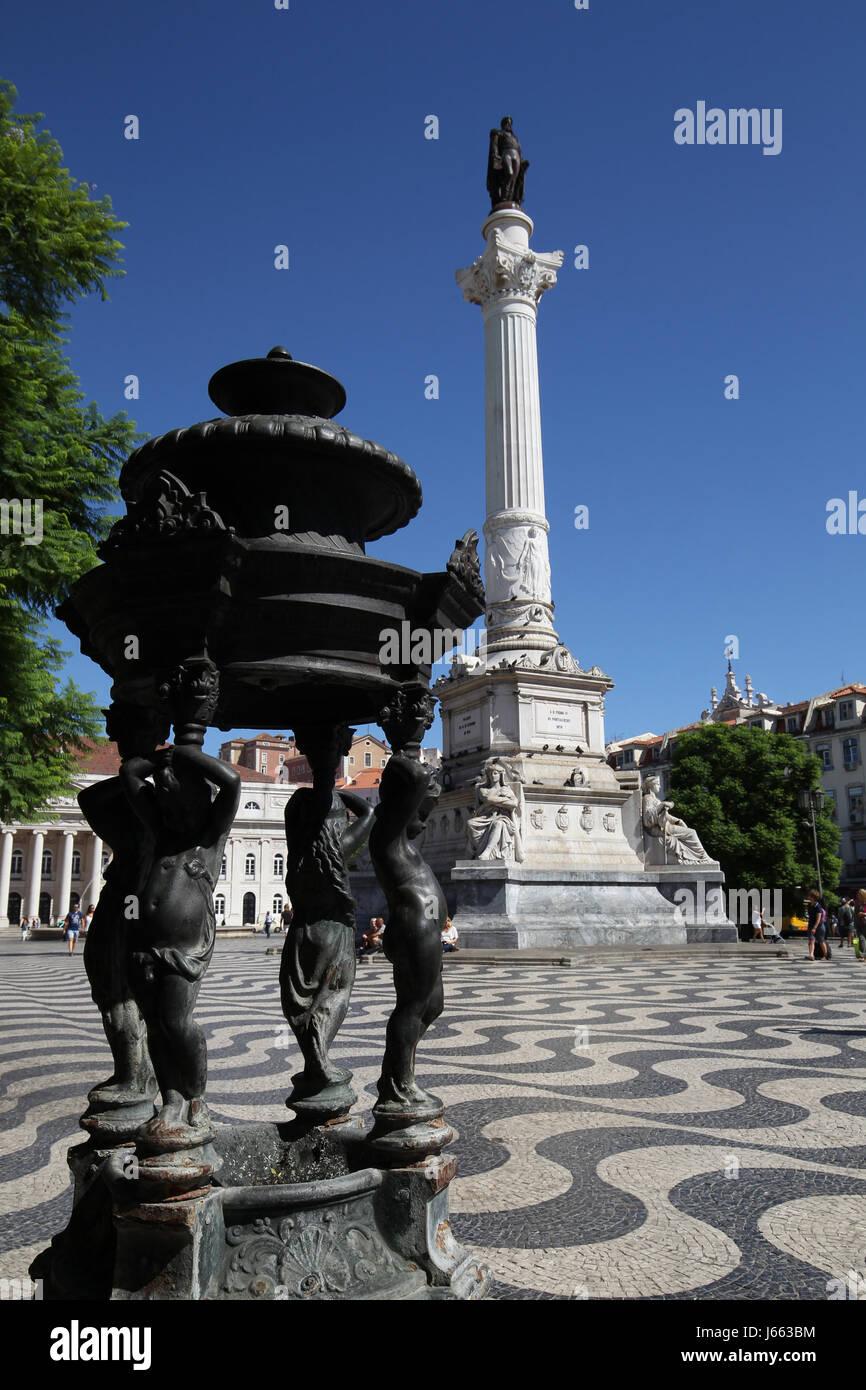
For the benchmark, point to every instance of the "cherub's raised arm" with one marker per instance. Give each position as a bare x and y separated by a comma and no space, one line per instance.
358,833
225,777
138,792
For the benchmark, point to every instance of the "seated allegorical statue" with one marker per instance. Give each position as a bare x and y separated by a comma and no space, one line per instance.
677,838
495,831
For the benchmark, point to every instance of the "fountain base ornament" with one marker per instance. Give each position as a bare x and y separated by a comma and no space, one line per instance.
226,606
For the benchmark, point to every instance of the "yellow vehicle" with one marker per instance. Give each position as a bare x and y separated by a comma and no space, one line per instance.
792,925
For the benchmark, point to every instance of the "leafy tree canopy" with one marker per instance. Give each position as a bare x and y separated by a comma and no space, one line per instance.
59,458
738,787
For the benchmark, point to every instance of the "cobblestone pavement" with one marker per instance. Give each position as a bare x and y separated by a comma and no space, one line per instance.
633,1130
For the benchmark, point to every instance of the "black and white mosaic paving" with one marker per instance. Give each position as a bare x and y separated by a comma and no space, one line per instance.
634,1129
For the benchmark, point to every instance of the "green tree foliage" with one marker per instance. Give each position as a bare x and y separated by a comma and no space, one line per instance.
738,787
56,244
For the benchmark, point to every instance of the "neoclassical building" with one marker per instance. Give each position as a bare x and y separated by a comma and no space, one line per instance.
47,866
833,727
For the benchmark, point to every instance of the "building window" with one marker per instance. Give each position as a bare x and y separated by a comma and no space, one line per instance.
792,723
219,905
846,709
76,863
252,806
17,863
855,805
822,750
351,760
47,863
282,759
279,866
250,866
223,867
850,752
859,853
278,904
368,759
106,859
829,717
264,764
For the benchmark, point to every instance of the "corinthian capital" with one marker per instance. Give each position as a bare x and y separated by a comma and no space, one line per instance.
506,271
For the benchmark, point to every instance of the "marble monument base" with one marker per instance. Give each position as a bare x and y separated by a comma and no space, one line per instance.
508,906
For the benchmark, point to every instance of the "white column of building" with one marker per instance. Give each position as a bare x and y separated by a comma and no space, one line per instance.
94,876
6,846
61,905
34,881
508,280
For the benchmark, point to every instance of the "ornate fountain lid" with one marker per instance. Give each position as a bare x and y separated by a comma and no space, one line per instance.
276,385
279,414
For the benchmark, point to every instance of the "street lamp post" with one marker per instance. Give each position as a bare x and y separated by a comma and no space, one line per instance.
813,801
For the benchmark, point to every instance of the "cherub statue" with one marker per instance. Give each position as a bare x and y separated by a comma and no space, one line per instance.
173,939
137,731
413,940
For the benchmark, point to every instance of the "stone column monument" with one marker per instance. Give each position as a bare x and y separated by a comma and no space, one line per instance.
537,841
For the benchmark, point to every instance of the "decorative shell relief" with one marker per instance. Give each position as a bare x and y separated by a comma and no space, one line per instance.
323,1258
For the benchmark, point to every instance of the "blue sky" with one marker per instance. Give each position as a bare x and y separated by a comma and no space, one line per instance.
306,126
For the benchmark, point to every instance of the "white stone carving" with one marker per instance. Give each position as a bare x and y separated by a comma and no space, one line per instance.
505,270
676,837
495,831
561,818
587,819
536,818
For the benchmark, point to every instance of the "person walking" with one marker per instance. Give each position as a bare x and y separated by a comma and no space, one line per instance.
72,924
268,923
25,928
758,925
846,922
816,933
859,906
286,917
88,918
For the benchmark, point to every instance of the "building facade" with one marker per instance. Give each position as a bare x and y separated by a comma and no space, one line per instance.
47,867
833,727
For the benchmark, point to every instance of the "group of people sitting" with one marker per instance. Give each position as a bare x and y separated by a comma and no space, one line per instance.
372,940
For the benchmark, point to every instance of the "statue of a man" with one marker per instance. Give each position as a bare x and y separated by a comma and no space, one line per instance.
413,941
495,831
506,168
677,838
137,732
172,942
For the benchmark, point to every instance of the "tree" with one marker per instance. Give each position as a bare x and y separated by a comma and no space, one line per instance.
738,787
59,458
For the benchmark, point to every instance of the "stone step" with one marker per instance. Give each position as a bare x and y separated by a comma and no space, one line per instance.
583,955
